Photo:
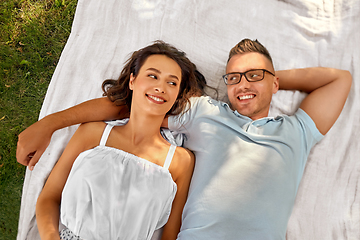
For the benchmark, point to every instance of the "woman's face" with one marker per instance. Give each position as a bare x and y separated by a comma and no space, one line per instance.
156,86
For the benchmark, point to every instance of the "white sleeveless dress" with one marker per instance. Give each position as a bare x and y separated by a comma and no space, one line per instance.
112,194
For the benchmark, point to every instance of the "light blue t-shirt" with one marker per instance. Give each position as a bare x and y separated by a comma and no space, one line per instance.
247,172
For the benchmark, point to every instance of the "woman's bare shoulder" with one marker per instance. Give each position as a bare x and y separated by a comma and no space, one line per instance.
183,162
185,154
92,127
90,133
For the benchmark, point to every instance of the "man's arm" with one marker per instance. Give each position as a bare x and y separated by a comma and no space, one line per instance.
33,141
327,88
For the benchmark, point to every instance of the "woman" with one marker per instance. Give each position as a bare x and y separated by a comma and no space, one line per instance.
127,180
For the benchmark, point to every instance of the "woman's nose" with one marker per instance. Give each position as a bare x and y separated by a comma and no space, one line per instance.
159,88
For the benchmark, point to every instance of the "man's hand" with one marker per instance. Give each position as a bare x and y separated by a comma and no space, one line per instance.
32,143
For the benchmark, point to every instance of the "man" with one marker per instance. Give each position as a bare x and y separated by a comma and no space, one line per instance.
248,165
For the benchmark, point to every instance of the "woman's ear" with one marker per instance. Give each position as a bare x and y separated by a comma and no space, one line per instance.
131,82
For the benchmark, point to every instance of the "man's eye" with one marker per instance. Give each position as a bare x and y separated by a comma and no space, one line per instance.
233,78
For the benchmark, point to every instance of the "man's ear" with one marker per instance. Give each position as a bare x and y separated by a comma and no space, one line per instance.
131,82
275,85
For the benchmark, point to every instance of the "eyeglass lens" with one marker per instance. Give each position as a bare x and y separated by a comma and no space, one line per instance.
251,76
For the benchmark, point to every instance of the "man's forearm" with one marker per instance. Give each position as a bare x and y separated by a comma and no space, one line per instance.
90,111
308,79
34,140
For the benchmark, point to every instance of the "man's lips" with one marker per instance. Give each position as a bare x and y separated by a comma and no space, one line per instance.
245,97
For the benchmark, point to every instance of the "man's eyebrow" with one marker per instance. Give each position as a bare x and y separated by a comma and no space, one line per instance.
159,72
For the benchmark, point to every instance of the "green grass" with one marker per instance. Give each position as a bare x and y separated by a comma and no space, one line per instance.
32,36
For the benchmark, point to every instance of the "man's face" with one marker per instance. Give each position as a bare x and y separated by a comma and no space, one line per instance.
251,99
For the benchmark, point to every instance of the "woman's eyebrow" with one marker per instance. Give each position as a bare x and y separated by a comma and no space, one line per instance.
159,72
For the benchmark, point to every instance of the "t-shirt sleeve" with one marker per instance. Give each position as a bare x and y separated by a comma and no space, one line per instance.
312,134
179,123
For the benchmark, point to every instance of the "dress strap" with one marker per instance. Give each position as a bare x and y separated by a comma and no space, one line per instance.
105,134
169,156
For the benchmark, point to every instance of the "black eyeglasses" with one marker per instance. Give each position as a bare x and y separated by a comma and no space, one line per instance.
253,75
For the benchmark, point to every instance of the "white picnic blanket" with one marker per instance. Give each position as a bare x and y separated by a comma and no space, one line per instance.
298,33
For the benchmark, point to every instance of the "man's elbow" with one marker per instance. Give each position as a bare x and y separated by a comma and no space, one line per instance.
346,79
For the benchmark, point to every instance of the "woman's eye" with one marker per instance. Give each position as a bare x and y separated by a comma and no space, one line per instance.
152,76
172,83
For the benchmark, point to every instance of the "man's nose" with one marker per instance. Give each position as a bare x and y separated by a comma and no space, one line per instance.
244,83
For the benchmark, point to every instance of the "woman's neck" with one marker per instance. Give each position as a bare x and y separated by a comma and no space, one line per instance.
143,129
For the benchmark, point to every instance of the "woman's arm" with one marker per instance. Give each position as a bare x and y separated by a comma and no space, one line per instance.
33,141
47,207
182,172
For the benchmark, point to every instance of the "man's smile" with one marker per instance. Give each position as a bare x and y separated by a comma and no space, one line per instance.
244,97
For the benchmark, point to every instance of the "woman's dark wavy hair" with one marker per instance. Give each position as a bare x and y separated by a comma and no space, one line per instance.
118,90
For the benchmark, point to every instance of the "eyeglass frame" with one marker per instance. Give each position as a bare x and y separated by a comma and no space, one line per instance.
244,74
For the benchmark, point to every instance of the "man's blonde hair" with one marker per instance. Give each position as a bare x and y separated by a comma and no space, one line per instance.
248,45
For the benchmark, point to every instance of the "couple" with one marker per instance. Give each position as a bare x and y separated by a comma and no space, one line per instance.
248,166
